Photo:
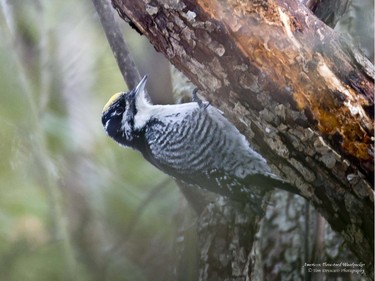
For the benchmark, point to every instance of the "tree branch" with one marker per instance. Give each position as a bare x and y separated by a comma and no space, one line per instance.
301,94
119,48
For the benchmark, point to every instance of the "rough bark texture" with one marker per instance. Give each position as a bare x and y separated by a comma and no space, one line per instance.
226,235
302,95
292,234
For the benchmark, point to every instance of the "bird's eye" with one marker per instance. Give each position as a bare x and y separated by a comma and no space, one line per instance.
120,110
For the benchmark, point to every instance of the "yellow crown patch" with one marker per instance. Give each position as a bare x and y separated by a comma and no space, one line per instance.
111,101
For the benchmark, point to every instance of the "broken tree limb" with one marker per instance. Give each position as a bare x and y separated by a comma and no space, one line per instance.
301,94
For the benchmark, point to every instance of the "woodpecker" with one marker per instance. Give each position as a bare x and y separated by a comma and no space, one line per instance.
192,142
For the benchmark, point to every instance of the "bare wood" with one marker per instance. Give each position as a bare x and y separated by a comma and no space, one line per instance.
302,95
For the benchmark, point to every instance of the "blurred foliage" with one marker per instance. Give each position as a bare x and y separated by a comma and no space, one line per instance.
358,23
74,205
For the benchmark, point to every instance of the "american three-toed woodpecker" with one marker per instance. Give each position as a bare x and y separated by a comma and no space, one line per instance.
192,142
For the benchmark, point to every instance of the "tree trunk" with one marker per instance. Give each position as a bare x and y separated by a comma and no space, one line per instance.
302,95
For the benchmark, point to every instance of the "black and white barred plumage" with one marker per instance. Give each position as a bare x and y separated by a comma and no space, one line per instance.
192,142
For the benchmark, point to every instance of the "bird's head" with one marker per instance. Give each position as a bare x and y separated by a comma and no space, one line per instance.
119,113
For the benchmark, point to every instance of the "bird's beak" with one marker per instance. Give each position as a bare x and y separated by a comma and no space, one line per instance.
141,85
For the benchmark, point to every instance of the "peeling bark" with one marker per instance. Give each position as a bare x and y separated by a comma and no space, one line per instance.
302,95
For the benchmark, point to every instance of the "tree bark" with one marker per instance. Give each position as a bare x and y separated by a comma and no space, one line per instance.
302,95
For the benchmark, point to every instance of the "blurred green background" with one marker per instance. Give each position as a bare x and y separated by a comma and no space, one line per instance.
74,205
